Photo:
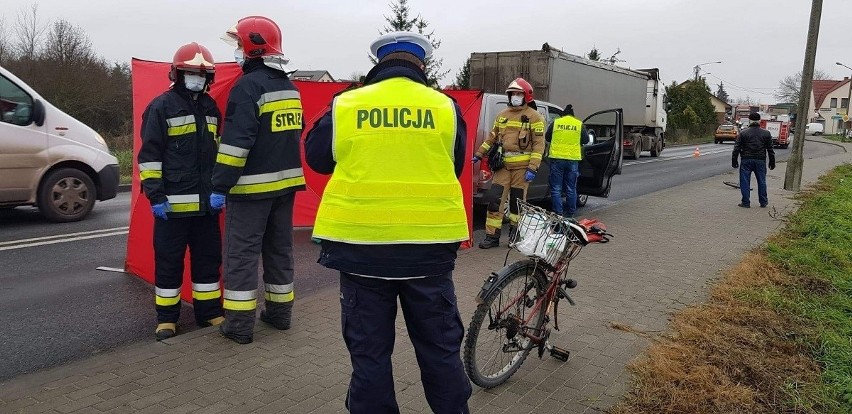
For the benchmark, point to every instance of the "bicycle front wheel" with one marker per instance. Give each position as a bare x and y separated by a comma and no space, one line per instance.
495,346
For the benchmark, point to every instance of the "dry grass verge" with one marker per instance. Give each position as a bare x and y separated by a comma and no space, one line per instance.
727,355
775,336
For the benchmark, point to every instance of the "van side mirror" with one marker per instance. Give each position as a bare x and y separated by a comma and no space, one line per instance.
38,112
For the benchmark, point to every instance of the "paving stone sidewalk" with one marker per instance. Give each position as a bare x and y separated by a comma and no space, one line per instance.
669,247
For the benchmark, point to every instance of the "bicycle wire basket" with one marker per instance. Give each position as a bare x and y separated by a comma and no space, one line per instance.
546,235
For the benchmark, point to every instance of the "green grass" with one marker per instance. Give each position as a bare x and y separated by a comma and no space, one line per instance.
836,137
125,165
815,248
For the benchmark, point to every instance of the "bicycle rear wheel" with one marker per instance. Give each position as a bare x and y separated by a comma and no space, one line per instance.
495,347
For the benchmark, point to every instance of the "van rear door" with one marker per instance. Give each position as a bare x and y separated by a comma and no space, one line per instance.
23,144
602,157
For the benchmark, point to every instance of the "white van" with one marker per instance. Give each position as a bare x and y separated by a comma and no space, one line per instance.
814,128
49,159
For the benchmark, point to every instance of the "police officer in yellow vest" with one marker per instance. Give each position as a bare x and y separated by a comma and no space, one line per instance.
566,136
520,129
391,220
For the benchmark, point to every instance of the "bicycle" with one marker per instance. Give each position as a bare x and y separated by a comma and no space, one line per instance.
515,303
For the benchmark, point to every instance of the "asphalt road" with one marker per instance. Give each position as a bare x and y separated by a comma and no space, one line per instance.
56,307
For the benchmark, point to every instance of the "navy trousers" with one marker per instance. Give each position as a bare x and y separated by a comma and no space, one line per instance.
368,315
563,176
758,167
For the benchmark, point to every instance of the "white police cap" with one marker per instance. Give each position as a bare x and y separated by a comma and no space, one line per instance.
413,43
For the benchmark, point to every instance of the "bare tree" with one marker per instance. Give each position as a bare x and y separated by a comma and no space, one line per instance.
67,44
788,88
5,47
357,76
28,31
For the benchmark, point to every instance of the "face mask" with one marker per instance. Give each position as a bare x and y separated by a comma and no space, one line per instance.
517,100
239,56
194,82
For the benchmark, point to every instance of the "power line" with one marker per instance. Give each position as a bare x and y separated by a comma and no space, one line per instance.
744,89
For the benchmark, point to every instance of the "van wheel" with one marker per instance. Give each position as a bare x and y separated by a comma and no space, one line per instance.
66,195
582,199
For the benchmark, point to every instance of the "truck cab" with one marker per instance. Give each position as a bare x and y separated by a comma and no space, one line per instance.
602,157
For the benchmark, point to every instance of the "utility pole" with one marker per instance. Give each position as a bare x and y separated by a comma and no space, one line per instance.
793,175
848,106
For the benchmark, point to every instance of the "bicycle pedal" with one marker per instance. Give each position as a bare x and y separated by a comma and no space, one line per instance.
570,283
559,353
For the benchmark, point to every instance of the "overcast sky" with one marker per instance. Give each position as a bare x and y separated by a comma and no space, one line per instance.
758,41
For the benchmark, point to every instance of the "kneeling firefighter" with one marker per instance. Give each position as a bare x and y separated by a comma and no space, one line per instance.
519,129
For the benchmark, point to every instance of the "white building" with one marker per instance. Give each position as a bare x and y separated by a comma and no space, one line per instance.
829,104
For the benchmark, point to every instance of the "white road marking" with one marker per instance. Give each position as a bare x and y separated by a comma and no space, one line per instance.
110,269
55,241
674,158
59,236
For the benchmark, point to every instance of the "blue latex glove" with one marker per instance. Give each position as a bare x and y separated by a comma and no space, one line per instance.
161,209
529,176
475,159
217,201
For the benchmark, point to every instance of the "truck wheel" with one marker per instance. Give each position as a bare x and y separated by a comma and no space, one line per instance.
785,146
655,152
637,149
582,199
65,195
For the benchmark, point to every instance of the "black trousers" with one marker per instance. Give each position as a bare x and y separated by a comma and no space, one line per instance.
368,315
171,238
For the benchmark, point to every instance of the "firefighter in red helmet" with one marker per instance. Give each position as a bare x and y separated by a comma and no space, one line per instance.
179,139
519,130
258,172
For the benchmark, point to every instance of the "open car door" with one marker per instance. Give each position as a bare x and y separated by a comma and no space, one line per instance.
602,156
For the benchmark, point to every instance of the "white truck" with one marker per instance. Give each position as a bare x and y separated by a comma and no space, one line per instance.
590,86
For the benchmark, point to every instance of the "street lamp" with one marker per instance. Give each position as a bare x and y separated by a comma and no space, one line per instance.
848,103
697,68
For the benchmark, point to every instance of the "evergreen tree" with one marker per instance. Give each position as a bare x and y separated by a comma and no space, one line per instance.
689,105
401,20
463,77
721,93
594,54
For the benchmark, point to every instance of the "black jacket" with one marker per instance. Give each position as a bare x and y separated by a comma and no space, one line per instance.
754,143
400,260
261,119
178,149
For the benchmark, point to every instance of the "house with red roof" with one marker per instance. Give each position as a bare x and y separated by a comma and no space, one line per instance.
829,104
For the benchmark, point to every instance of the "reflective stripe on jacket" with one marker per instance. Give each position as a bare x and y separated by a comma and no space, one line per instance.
565,144
259,155
394,181
521,130
178,151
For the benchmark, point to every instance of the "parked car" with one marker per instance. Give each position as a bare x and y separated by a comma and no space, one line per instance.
602,157
725,132
48,158
814,128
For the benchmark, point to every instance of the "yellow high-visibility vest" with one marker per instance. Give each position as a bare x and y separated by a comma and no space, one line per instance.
394,181
565,143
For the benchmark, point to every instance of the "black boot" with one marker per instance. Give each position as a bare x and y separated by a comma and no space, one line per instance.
278,315
491,240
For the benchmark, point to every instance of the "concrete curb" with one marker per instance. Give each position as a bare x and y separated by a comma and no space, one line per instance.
124,188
